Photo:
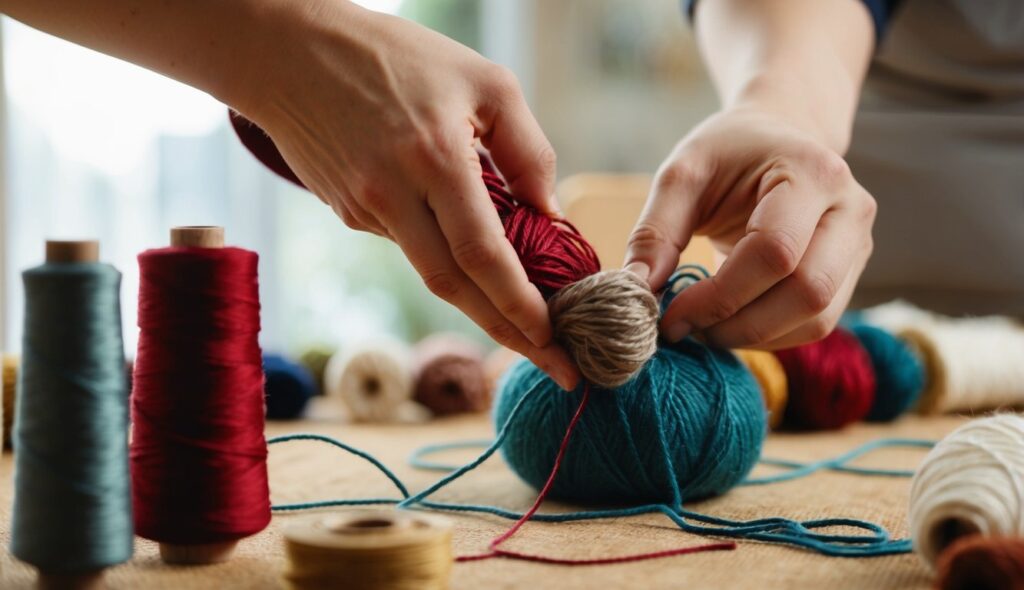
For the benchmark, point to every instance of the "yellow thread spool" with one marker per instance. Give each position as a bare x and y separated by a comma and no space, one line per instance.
369,550
772,378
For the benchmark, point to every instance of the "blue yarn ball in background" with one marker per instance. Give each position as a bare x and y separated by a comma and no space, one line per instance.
288,387
899,373
692,419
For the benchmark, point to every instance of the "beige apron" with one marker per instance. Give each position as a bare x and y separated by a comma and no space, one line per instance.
939,142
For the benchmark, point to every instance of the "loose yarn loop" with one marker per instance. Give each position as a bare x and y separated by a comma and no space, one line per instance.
972,482
369,550
831,383
450,375
690,425
197,403
72,512
982,563
771,377
610,322
552,252
373,380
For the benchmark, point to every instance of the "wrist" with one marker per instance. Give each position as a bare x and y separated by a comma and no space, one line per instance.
829,119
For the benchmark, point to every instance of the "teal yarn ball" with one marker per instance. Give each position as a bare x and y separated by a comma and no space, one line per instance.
899,373
689,425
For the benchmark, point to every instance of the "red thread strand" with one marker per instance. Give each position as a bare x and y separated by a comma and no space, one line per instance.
198,453
495,550
551,250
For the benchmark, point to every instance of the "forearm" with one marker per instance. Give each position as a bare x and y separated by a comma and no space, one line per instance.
804,60
223,47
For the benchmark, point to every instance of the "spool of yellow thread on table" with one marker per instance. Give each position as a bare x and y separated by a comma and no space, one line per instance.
771,377
369,550
10,395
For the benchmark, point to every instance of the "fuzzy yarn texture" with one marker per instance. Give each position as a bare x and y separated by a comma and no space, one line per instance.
689,425
899,373
288,387
831,383
972,482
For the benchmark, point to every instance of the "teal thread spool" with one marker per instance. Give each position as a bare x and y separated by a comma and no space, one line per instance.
72,510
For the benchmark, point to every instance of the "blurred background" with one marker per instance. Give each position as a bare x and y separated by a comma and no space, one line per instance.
94,147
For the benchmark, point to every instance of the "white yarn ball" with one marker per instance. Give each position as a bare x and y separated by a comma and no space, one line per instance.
971,482
372,380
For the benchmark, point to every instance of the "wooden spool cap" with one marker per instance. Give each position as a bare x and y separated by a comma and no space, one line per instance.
197,236
70,251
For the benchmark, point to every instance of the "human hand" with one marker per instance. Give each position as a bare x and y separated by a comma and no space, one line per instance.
783,207
380,118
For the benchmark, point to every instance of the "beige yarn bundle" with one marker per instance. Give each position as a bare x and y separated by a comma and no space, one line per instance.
972,482
609,324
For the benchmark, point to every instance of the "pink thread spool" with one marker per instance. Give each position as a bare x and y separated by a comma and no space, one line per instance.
450,377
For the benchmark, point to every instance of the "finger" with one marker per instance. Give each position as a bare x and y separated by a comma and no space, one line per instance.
666,224
835,251
520,149
778,233
819,326
477,242
419,236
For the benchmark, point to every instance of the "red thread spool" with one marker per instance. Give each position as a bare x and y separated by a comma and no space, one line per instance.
982,563
831,382
198,453
450,375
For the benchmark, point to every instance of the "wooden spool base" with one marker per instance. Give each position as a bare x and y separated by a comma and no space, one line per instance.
77,581
197,554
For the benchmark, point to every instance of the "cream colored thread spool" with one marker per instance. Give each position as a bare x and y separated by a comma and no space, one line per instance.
373,381
972,482
199,236
972,364
369,550
70,252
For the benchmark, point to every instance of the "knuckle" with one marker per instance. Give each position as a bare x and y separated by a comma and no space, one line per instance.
870,210
476,254
816,291
503,81
779,251
647,235
752,335
442,284
502,332
375,200
818,328
547,160
721,310
675,176
511,309
827,166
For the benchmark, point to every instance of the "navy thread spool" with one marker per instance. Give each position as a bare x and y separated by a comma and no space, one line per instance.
72,509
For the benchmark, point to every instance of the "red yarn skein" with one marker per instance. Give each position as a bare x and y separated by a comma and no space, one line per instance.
982,563
831,382
552,251
198,454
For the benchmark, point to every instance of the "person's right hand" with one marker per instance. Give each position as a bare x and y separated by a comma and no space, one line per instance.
783,206
380,118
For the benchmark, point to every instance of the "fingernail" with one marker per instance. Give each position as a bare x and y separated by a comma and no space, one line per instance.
676,331
554,206
639,269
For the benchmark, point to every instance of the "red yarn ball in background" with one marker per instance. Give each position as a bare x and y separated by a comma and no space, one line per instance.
198,454
831,382
982,563
552,251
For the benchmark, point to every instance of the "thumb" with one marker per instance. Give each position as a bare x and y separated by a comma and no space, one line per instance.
665,226
521,152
